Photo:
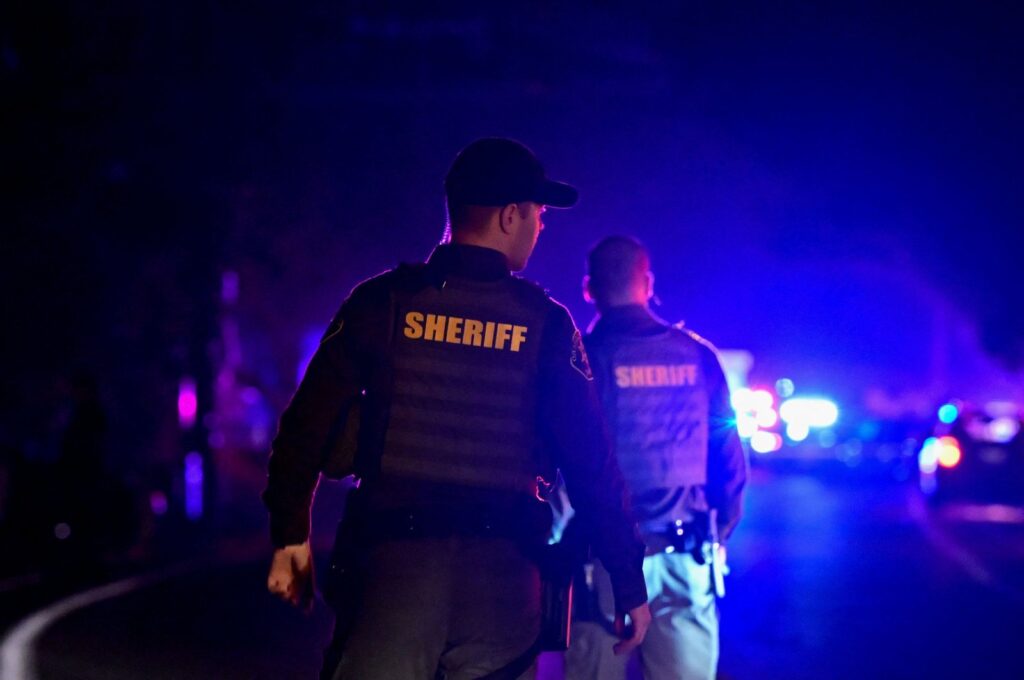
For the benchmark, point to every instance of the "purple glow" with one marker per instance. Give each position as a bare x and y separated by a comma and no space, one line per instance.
158,503
188,403
1002,430
216,440
229,287
194,485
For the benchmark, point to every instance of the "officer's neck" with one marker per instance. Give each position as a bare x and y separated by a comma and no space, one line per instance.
485,240
620,304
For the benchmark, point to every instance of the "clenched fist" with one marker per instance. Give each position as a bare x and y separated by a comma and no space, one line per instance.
291,575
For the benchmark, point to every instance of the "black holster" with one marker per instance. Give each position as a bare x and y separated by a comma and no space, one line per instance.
556,564
343,584
559,564
556,603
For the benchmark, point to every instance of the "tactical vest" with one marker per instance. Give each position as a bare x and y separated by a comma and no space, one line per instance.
655,395
465,380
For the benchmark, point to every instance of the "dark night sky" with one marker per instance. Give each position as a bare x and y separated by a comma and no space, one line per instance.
802,171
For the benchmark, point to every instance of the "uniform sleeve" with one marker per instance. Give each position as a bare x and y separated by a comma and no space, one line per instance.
318,408
572,420
727,460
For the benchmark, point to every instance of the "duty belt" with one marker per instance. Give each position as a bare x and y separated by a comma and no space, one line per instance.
679,536
443,522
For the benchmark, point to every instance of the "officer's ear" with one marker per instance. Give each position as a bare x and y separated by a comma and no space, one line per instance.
507,217
650,284
587,295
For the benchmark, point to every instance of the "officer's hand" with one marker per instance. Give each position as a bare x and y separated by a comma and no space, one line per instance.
291,575
641,619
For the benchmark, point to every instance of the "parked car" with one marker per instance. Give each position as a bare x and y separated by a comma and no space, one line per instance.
975,454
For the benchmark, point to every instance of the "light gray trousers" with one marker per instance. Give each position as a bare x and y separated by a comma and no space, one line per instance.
682,642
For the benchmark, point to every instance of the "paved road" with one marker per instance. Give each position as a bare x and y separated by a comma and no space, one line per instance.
832,578
852,579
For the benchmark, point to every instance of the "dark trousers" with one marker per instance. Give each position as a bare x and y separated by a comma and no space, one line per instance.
465,606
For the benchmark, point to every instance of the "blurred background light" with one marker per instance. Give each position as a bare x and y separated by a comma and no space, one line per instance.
784,387
869,429
741,399
767,418
746,424
928,459
797,431
754,410
996,409
809,411
1002,430
949,453
762,399
948,413
765,442
194,485
188,403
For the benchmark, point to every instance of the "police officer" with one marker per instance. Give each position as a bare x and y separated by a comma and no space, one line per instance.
675,439
472,387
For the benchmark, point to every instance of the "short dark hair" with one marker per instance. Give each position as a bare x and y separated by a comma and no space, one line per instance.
466,217
616,263
457,214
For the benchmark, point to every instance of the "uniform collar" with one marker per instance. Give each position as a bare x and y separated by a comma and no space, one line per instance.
628,319
470,262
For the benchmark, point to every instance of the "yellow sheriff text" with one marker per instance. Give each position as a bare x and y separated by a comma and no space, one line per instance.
656,376
458,331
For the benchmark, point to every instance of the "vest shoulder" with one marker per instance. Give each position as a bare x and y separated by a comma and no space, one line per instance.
402,277
533,293
690,335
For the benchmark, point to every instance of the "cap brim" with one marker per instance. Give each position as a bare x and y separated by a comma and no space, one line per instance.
557,194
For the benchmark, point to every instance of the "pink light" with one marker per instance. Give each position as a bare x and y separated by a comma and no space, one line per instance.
188,403
158,503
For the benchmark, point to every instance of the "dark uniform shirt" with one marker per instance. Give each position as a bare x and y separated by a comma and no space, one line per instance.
354,364
720,486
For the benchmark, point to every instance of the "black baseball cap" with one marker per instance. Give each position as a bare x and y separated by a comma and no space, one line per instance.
494,171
